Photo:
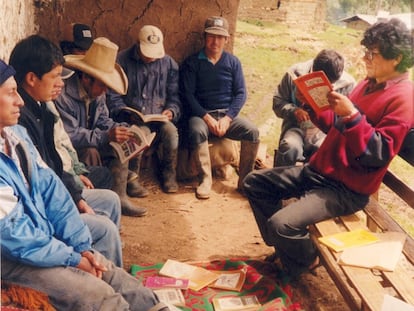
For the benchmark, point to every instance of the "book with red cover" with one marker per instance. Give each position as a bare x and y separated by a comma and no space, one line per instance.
315,87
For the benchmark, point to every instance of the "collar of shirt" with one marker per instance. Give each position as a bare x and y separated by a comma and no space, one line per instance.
373,86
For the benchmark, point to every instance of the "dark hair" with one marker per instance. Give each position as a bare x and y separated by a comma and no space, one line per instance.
392,38
35,54
330,62
69,47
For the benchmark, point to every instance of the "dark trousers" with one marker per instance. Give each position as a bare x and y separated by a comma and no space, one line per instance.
286,228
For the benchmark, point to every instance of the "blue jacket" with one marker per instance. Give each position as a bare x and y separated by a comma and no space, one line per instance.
153,87
39,225
84,130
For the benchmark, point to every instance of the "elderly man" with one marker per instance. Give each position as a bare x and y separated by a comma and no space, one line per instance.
213,93
45,244
82,106
152,89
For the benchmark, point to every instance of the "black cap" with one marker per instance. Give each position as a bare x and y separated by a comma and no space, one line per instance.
79,34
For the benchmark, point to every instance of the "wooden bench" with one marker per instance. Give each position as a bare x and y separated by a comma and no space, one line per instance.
364,289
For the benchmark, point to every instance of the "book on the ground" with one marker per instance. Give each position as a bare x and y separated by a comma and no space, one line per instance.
390,246
343,240
134,145
315,87
145,118
157,282
235,303
172,296
230,280
198,277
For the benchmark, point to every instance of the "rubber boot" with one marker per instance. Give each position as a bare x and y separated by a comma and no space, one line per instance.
120,175
203,162
248,153
169,172
134,187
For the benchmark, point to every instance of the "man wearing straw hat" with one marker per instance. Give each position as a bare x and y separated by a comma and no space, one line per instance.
82,106
45,245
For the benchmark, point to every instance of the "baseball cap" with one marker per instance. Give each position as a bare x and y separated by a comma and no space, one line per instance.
79,34
151,42
217,25
6,71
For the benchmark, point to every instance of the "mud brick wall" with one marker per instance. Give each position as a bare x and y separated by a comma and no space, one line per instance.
120,21
16,22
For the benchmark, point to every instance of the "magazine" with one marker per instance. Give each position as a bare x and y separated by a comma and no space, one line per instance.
133,146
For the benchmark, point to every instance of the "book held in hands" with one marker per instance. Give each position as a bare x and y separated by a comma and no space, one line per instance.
134,145
315,87
139,117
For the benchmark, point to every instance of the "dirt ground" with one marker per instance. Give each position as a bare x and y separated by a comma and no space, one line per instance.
179,226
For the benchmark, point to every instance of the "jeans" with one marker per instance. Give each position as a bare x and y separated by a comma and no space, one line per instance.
105,237
296,145
286,228
240,129
104,202
69,288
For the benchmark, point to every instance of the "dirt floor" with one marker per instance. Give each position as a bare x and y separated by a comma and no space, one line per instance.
181,227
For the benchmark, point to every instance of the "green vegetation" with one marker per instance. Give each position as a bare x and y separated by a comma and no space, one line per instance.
268,49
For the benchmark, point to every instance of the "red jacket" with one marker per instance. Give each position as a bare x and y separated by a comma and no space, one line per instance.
358,153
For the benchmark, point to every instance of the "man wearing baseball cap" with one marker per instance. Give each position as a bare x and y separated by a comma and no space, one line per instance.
213,93
76,39
153,89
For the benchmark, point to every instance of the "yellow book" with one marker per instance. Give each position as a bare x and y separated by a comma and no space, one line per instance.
340,241
198,277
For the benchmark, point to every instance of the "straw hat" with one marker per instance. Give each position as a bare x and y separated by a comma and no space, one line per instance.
100,63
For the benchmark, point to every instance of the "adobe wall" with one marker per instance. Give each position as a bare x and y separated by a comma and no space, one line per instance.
180,21
16,22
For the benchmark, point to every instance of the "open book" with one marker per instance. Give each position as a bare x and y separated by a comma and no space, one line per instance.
145,118
315,87
198,277
133,146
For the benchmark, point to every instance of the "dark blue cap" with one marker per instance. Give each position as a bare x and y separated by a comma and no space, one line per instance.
6,71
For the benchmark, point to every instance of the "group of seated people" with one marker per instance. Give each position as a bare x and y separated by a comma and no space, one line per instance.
63,189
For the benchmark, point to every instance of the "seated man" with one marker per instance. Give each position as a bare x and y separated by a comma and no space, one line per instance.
45,244
299,137
45,63
82,107
76,39
152,89
364,133
213,93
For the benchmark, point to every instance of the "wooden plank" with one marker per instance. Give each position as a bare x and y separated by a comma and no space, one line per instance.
399,187
387,223
402,278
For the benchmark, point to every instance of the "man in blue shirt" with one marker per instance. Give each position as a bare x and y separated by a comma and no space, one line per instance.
213,93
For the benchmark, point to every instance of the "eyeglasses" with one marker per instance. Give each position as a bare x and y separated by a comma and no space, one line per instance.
370,54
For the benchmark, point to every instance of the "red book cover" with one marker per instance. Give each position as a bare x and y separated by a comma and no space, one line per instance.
315,87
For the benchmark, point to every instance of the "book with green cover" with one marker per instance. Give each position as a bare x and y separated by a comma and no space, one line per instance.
340,241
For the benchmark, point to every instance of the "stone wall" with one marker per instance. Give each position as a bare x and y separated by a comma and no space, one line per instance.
294,13
16,22
180,21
